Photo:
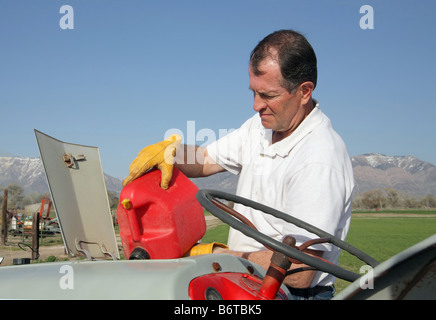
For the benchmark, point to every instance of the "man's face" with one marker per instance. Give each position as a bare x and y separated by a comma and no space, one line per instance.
278,109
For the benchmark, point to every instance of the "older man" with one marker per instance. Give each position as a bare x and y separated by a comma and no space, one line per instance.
287,157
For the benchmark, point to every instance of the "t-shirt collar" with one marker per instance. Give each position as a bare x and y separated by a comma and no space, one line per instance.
283,147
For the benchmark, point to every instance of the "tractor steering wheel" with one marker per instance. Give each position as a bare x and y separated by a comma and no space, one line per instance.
227,215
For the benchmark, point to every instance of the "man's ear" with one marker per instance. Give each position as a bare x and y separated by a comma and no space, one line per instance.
306,89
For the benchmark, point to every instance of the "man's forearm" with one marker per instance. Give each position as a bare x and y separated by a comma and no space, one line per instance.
186,160
194,162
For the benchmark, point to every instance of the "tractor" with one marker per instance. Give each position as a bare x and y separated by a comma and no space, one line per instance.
157,227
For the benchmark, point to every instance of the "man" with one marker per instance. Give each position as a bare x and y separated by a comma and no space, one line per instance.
287,157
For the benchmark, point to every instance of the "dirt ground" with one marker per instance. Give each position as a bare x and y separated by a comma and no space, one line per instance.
9,253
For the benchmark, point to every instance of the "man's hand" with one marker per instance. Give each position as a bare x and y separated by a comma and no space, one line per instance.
263,258
160,155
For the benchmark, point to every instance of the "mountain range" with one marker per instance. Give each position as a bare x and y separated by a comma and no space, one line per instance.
404,173
371,171
29,173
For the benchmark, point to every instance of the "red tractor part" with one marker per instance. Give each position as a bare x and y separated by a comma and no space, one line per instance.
276,272
230,286
246,286
156,223
45,200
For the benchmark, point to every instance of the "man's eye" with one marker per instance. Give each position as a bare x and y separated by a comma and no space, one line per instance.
266,96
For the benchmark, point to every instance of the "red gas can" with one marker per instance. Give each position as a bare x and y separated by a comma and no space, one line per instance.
156,223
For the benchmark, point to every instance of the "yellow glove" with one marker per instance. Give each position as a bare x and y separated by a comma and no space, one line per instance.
160,155
204,248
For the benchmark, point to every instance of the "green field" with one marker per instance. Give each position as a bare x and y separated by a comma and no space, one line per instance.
380,237
383,238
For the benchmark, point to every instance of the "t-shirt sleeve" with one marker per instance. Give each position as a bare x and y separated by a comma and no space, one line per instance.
228,151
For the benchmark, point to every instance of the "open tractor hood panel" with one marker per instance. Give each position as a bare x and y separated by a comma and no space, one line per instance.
78,189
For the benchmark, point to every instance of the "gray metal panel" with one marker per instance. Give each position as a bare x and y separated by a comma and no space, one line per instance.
79,195
122,279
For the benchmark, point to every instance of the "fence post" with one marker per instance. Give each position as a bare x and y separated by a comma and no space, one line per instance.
35,236
4,232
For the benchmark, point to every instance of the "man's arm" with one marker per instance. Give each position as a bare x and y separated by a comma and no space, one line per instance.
195,162
301,279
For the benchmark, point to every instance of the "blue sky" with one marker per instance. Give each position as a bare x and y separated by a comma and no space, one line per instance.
131,70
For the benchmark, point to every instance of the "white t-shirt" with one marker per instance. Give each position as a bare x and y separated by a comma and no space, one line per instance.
307,175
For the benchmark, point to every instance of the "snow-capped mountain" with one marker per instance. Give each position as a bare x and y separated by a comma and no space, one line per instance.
371,171
29,173
405,173
384,162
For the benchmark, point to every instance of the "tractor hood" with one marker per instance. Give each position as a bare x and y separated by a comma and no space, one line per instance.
78,190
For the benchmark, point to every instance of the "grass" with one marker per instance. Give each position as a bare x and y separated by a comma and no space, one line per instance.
217,234
380,237
383,238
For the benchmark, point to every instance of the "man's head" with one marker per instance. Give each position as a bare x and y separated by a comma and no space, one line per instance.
282,74
293,53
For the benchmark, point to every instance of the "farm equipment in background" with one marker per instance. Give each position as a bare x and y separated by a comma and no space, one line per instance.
158,227
21,224
48,225
45,207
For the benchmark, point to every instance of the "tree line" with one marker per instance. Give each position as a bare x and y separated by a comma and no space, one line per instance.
391,198
388,198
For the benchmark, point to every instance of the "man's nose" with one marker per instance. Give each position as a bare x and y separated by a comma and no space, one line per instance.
258,104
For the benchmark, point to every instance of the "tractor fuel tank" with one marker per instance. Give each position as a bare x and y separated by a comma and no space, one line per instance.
156,223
